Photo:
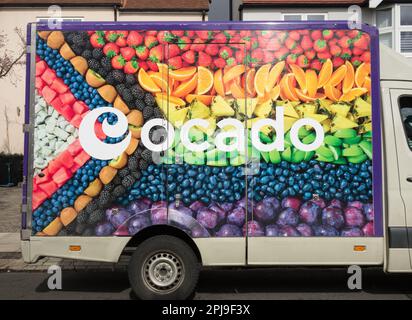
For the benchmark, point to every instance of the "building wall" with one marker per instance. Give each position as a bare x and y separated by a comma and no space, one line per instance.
159,16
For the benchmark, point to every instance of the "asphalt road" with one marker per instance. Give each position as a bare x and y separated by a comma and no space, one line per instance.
280,283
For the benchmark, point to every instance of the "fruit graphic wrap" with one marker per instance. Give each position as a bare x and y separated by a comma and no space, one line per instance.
208,75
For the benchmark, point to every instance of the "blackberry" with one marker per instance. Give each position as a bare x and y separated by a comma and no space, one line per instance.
137,92
88,232
62,233
132,164
77,49
143,164
106,63
93,64
130,79
128,181
110,79
120,88
91,206
116,180
123,173
147,112
82,217
157,113
69,37
103,72
138,152
104,198
87,54
147,155
80,228
71,227
139,104
96,216
78,40
149,99
97,53
137,174
108,187
127,96
118,76
118,191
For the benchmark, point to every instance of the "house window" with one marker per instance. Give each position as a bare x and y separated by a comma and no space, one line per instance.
62,19
405,29
384,18
304,16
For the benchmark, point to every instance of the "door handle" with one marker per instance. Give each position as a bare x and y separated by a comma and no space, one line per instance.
409,179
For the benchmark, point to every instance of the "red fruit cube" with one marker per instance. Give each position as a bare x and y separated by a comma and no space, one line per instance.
75,167
57,104
48,187
61,176
43,176
81,158
39,83
37,198
48,76
76,120
53,166
40,67
75,147
80,107
48,94
35,188
59,86
67,112
99,131
65,159
67,98
38,58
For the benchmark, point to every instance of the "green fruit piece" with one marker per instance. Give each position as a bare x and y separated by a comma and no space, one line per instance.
265,156
324,152
303,132
309,138
309,155
332,141
366,146
353,140
237,161
298,156
253,154
340,161
169,157
274,156
367,134
287,154
358,159
337,152
345,133
352,151
195,135
180,149
324,159
264,138
288,142
196,158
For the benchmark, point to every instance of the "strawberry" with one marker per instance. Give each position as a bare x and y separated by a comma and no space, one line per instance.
281,53
346,53
357,51
189,33
225,52
204,34
189,57
340,33
304,32
356,61
337,62
178,33
220,38
121,42
131,67
111,36
282,35
316,65
297,50
151,33
316,35
273,44
212,49
268,56
354,33
175,62
152,65
184,43
142,52
302,61
290,43
245,33
127,53
90,32
306,43
110,49
156,54
229,34
143,64
262,42
360,42
150,41
257,55
320,45
204,59
165,37
267,34
219,63
294,35
198,45
324,55
240,56
118,62
366,56
310,54
291,59
172,51
97,41
134,39
344,42
327,34
231,61
335,50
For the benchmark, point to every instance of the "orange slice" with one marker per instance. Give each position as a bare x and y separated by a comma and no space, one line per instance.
182,74
172,99
275,92
206,99
261,78
286,84
306,98
237,91
234,72
264,98
325,73
353,94
332,93
274,75
227,86
160,81
361,72
299,76
218,83
250,77
163,69
204,80
186,87
367,83
311,82
146,81
349,79
337,76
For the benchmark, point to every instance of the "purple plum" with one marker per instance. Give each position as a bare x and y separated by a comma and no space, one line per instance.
227,206
138,206
199,231
305,230
354,217
111,212
237,216
356,204
288,216
266,210
119,216
309,212
319,201
351,232
104,229
249,206
179,206
272,230
253,229
196,206
368,229
325,231
158,212
122,231
336,203
368,211
332,216
207,218
229,230
138,223
288,231
221,214
291,202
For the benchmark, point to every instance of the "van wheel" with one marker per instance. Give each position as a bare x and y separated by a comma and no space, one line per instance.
163,267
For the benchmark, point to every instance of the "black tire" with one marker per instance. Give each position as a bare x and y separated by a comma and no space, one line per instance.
154,258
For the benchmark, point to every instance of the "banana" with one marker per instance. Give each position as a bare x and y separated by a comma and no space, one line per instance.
274,156
287,154
265,156
358,159
324,152
337,152
352,151
298,156
345,133
367,135
323,159
366,146
353,140
332,141
303,132
309,155
309,138
340,161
